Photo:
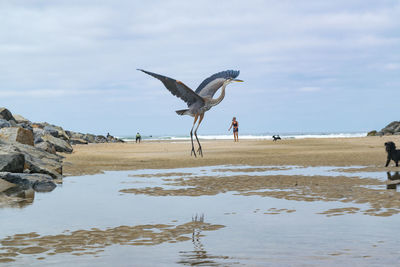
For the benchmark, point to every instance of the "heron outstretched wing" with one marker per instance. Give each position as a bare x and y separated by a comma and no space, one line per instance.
177,88
210,85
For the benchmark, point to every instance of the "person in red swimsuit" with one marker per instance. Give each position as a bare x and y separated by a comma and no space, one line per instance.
235,125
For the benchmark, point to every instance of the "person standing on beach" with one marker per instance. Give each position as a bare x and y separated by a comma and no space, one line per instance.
138,137
235,125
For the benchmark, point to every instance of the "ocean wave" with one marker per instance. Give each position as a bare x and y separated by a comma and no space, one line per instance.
253,136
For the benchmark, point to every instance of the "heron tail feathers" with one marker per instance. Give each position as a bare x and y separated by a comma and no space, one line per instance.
182,111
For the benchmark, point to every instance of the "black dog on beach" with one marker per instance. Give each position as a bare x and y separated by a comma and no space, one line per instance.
276,137
392,153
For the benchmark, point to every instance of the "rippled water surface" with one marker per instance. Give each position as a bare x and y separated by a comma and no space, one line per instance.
150,218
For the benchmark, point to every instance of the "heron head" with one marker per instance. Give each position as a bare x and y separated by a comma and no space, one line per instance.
231,80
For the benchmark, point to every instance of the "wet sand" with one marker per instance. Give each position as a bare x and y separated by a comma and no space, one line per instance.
94,241
365,151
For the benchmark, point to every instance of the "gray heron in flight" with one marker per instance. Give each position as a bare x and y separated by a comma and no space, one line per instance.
201,100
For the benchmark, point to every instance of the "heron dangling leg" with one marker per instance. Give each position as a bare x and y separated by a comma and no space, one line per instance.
191,135
200,151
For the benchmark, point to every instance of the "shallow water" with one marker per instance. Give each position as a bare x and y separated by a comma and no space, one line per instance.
157,230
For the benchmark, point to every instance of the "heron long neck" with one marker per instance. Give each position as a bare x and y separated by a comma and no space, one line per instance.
218,100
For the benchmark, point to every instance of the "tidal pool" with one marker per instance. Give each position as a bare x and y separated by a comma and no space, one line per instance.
210,216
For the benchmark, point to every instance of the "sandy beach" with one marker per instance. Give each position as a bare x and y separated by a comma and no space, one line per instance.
365,151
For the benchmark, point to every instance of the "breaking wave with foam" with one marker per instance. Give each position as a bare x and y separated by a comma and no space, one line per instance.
250,136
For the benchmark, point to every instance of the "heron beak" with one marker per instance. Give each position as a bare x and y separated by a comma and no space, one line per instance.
237,80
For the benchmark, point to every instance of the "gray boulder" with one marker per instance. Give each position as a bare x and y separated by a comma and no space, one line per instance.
101,139
59,144
51,130
44,186
46,146
17,134
78,136
55,131
391,128
36,160
4,123
6,115
13,123
61,133
37,135
38,182
11,161
77,141
20,119
91,138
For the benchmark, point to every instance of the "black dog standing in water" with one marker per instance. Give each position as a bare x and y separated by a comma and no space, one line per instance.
392,153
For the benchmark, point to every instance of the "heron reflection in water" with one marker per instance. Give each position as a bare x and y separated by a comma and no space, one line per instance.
199,255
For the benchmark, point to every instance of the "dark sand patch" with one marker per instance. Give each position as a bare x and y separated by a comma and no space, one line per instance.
340,211
278,211
299,188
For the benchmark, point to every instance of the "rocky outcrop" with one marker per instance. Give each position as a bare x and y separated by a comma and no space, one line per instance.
392,128
17,134
90,138
28,149
29,167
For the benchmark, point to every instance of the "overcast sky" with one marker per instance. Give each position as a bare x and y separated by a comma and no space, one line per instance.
308,66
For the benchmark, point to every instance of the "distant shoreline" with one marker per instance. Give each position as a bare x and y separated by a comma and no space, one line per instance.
267,136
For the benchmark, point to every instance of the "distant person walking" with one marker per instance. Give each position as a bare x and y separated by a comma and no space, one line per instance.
235,125
138,137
